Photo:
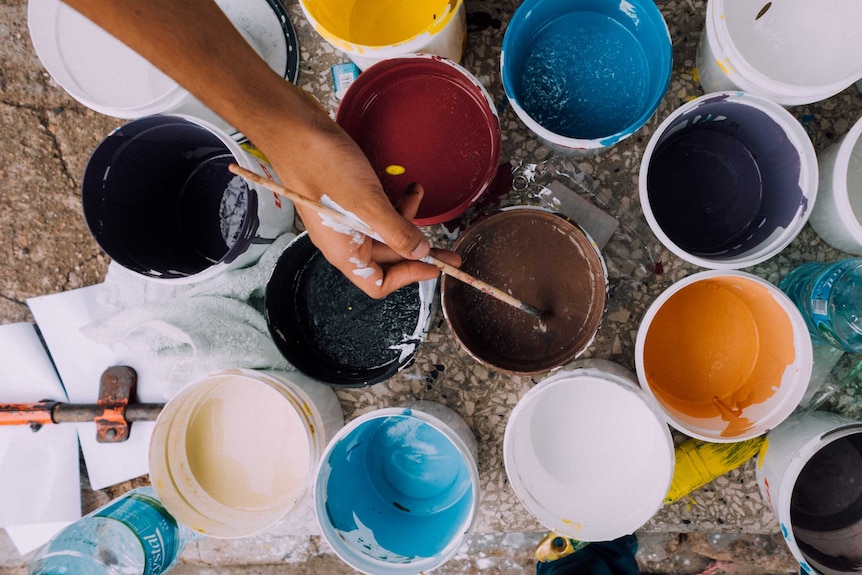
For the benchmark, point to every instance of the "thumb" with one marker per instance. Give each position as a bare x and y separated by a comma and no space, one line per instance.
399,233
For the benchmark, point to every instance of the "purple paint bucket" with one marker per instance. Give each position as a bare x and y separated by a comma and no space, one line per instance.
428,120
728,180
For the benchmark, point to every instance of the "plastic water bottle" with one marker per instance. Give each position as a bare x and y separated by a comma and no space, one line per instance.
830,298
131,535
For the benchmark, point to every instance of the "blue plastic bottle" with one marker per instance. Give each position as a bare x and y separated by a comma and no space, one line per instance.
131,535
830,298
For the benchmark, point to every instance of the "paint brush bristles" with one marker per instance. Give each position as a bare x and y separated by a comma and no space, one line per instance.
360,227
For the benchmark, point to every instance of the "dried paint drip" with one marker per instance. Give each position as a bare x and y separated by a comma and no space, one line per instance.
567,280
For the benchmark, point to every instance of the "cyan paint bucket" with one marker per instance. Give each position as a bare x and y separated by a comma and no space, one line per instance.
458,153
837,215
543,259
235,452
585,74
368,31
728,180
810,472
160,201
726,355
330,330
105,75
792,52
398,489
588,453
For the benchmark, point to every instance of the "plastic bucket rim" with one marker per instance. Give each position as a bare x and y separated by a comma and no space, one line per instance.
562,378
804,356
754,80
835,429
410,45
489,111
841,192
512,371
576,144
242,158
808,179
177,485
361,377
349,555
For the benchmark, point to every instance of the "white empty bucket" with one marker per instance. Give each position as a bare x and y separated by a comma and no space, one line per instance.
837,215
107,76
235,452
398,489
810,472
793,52
588,453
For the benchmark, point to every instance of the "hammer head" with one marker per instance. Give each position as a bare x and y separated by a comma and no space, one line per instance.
116,390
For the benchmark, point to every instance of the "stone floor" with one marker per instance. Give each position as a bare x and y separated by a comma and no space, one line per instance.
46,248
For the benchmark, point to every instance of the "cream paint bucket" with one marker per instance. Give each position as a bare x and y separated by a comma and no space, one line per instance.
105,75
368,31
235,452
792,52
810,472
837,215
726,355
728,180
588,453
397,491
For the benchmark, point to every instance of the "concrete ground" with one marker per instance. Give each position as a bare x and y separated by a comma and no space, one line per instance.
45,248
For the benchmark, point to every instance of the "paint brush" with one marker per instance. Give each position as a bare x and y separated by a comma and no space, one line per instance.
360,227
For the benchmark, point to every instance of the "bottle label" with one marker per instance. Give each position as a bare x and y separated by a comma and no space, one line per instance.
155,528
820,292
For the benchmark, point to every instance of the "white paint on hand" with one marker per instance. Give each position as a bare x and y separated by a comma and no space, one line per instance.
364,273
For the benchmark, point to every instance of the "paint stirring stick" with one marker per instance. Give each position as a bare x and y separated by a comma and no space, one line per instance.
358,226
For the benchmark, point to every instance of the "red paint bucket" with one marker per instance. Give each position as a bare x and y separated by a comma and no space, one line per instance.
425,119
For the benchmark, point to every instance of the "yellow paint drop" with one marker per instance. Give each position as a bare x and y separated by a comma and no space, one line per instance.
395,170
720,65
716,347
695,75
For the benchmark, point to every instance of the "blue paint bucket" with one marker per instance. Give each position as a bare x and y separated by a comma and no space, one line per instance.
398,489
585,74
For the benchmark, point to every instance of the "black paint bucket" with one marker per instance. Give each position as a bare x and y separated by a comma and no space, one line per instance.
160,201
332,331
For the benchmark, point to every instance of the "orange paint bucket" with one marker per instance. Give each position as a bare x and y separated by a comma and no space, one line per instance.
725,354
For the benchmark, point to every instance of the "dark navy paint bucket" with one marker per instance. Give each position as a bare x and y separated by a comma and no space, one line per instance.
333,332
728,180
160,201
584,74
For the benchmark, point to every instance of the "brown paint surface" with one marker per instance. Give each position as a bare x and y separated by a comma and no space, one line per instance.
717,347
542,259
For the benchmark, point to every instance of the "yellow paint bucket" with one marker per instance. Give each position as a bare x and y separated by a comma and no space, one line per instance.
371,30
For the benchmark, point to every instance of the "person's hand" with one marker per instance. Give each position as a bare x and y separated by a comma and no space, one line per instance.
326,165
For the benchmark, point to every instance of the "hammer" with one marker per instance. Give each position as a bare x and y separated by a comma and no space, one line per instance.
113,413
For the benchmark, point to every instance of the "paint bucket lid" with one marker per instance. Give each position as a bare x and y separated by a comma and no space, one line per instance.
725,354
425,119
397,490
568,278
588,454
368,340
105,75
234,452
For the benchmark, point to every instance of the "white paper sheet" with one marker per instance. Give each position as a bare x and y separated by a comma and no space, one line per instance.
38,470
81,362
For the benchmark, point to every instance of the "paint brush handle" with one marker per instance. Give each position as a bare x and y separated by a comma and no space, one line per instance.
482,286
364,229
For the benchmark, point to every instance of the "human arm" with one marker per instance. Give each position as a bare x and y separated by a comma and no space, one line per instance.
194,42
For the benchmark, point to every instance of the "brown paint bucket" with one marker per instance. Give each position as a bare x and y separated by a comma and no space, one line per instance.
543,259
